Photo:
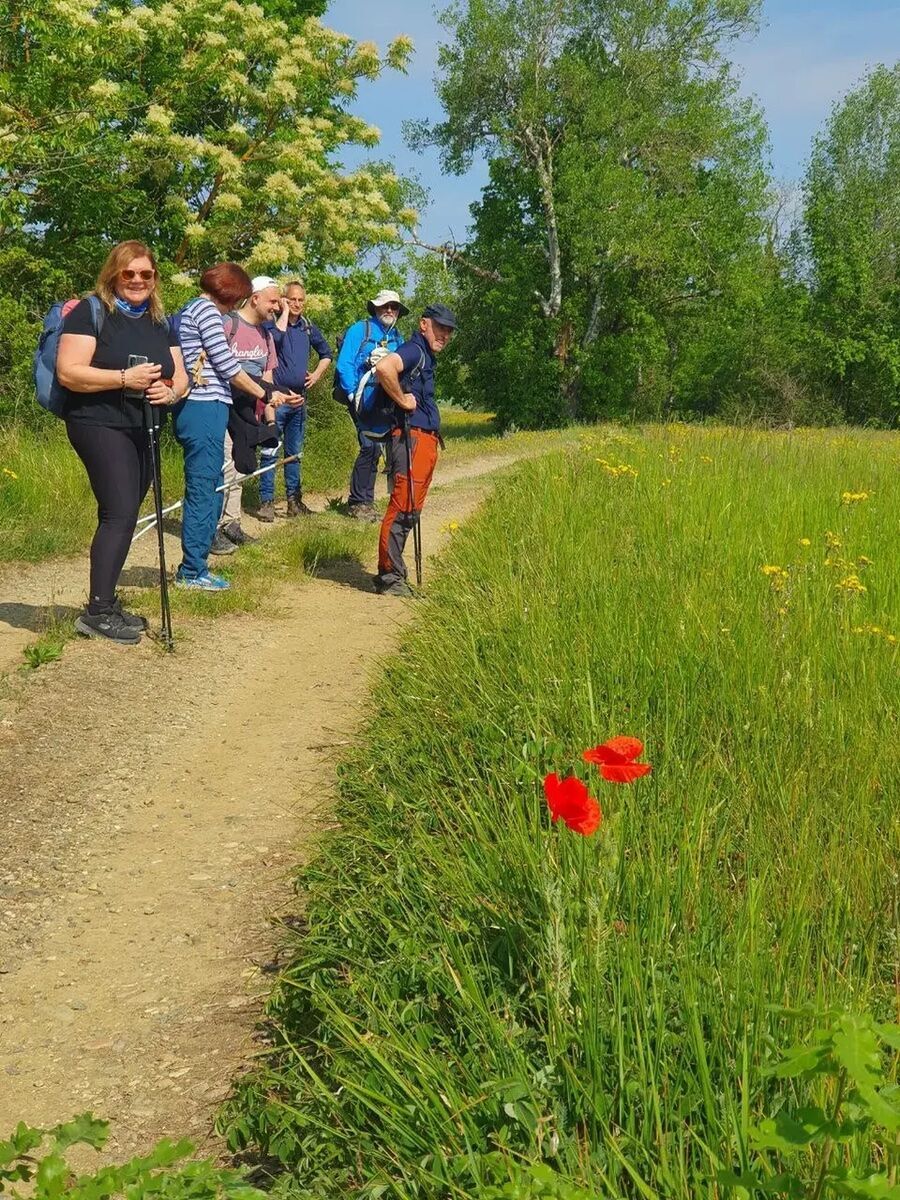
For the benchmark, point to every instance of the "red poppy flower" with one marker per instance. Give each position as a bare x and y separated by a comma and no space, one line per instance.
569,801
615,759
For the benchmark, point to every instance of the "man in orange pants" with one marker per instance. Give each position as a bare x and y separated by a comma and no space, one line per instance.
406,377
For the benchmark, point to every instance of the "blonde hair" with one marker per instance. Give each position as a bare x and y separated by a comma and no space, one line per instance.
119,258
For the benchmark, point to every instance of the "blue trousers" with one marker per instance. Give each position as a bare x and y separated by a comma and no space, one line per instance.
199,427
365,469
291,424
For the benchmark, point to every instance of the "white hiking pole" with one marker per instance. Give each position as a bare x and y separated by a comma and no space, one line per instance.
151,519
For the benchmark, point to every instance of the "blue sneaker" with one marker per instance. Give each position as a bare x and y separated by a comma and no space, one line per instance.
204,582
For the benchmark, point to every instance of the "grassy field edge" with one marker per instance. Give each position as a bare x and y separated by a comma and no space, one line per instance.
480,1005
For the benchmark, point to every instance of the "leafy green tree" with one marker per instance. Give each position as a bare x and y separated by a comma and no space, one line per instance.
209,128
627,197
852,242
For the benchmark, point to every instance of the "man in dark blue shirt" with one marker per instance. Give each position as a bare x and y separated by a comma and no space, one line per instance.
294,336
407,378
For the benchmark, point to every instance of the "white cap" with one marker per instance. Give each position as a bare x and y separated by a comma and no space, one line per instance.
386,296
260,282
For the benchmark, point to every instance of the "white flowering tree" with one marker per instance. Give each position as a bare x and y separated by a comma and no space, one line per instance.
209,128
205,126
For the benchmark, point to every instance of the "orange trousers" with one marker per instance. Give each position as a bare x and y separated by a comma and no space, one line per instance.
402,515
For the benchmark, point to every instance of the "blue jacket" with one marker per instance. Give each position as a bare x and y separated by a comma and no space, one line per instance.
292,346
356,348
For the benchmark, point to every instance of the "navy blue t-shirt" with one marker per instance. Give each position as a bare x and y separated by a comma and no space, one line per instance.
413,352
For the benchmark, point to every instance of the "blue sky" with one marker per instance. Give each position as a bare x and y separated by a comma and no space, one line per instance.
809,53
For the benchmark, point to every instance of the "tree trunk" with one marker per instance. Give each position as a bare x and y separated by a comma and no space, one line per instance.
542,160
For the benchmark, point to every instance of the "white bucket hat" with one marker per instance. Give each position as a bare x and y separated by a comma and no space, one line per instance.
385,296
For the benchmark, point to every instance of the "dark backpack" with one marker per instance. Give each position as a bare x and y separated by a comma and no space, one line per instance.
51,395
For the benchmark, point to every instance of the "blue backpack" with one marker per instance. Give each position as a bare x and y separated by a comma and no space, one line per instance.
51,395
376,413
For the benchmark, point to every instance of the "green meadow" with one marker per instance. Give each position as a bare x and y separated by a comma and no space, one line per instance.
479,1003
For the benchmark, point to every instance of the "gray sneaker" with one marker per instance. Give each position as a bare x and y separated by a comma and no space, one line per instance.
266,512
132,620
110,625
398,588
222,544
235,534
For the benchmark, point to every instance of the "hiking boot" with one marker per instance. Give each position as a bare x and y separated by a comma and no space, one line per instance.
108,624
235,534
398,588
222,544
363,512
266,512
204,582
132,620
296,507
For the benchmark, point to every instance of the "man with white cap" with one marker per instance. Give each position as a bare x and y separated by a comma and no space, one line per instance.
254,349
364,343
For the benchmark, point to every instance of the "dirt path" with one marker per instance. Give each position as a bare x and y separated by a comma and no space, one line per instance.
152,809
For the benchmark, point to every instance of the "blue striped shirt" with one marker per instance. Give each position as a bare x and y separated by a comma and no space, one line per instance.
201,329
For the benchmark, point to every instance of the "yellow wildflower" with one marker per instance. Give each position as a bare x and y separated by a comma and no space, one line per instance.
805,542
11,474
832,541
854,497
852,585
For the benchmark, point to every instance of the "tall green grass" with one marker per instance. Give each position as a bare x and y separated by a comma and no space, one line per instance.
46,506
475,991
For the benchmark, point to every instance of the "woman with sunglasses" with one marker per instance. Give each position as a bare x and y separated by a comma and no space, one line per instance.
109,367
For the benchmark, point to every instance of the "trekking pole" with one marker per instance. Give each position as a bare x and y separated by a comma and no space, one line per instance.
152,418
411,505
149,521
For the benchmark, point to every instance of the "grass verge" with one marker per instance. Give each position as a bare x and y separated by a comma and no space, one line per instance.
256,573
483,1005
46,506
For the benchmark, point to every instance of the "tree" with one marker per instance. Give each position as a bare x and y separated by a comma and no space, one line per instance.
627,185
209,128
851,249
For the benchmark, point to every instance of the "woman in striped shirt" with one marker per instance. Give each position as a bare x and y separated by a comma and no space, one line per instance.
201,419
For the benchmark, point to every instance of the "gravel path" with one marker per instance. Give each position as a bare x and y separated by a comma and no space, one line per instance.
153,808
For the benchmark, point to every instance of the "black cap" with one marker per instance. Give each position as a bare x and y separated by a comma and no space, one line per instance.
442,314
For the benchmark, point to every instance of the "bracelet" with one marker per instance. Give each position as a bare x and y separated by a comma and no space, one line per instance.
122,374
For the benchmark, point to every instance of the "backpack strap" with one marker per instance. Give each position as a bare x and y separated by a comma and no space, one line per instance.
417,369
98,312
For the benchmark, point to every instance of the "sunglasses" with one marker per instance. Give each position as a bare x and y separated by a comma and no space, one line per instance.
391,307
128,275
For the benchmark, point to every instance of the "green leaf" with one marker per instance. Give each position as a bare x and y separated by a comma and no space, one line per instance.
773,1185
889,1034
871,1187
800,1061
787,1132
86,1130
879,1108
856,1048
52,1176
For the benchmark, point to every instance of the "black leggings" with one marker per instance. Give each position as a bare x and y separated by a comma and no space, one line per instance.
118,465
